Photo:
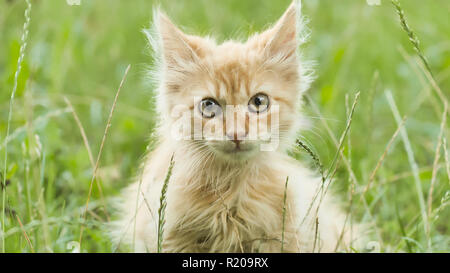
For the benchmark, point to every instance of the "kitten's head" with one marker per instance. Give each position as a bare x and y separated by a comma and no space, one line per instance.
231,99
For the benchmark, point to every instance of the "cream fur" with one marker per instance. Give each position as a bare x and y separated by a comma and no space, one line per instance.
219,203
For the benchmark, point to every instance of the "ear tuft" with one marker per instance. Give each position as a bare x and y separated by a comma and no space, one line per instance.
284,38
174,44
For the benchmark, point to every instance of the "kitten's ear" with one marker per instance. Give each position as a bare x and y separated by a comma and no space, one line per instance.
283,38
177,48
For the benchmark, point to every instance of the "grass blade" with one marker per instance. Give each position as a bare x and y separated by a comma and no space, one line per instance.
108,124
411,159
416,45
447,160
89,151
162,206
284,214
23,47
436,160
380,161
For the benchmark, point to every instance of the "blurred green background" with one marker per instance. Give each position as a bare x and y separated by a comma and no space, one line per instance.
81,52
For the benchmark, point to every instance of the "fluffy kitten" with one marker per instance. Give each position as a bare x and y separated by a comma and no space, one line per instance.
226,192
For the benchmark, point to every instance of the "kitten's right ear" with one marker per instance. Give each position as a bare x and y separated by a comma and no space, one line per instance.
178,49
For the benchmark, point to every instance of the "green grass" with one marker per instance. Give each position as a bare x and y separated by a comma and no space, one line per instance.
82,52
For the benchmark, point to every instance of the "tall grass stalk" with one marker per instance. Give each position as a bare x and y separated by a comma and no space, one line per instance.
25,234
340,155
344,134
314,157
333,167
88,149
411,159
139,191
138,205
447,160
352,183
412,36
284,214
94,173
416,45
23,46
333,138
349,137
316,235
380,161
162,206
436,160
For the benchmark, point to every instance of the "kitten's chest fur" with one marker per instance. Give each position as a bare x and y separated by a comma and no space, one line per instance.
212,208
232,208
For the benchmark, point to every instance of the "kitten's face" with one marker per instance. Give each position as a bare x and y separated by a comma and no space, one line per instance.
233,99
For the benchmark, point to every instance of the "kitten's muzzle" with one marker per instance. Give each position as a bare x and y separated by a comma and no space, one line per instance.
237,138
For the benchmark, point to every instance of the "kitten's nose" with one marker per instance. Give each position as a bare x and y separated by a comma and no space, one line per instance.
237,129
237,137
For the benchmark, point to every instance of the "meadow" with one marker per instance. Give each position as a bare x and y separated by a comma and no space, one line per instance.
392,168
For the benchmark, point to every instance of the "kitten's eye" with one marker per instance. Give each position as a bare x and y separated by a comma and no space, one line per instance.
209,108
258,103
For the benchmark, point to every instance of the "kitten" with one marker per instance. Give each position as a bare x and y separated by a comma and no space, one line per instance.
228,112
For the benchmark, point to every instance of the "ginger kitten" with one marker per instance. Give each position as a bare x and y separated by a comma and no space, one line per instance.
228,112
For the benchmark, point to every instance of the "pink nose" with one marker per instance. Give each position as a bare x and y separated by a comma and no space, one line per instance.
236,137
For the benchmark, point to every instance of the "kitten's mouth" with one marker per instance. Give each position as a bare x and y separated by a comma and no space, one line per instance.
237,149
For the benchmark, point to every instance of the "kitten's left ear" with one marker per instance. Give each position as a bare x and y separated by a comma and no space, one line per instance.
283,38
178,48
